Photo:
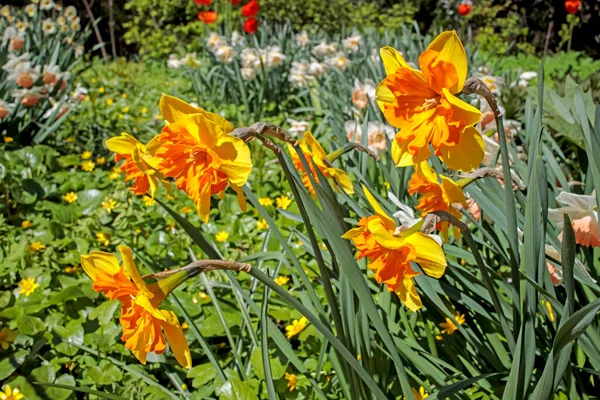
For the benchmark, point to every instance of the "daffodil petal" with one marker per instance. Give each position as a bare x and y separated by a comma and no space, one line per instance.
389,222
392,60
131,270
451,50
467,154
123,144
99,261
407,292
430,255
176,339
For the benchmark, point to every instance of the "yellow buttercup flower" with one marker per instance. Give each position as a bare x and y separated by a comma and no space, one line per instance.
148,201
390,254
221,236
72,269
186,210
296,327
143,322
265,201
70,197
109,102
88,166
124,96
282,280
8,139
103,238
11,394
26,224
449,327
292,381
262,224
101,90
101,161
36,246
125,109
86,155
283,202
27,286
144,110
313,150
7,336
424,106
109,205
70,139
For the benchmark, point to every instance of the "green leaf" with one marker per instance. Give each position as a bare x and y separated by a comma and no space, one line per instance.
11,362
202,374
235,389
278,366
105,312
30,325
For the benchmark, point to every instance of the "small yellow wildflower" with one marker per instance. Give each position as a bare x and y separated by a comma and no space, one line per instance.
265,201
170,197
101,90
88,165
103,238
186,210
11,394
70,197
27,286
144,110
121,116
283,202
100,160
296,327
125,109
26,224
124,96
70,139
109,102
183,385
93,80
387,185
420,394
221,236
282,280
7,336
109,204
323,246
8,139
36,246
72,269
86,155
262,224
148,201
292,381
203,295
300,242
185,325
449,326
158,117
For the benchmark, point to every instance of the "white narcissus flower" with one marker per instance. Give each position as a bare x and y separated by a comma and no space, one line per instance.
352,43
70,12
174,62
28,97
46,4
299,76
339,61
190,60
237,40
324,49
30,10
5,108
583,212
5,11
48,26
297,127
248,73
317,69
214,40
302,39
78,51
250,58
364,93
224,54
272,56
377,132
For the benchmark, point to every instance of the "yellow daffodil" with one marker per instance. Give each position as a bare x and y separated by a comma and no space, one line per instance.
27,286
265,201
262,224
283,202
295,327
390,254
419,394
221,236
282,280
88,165
109,205
103,238
26,224
36,247
86,155
196,149
138,159
424,106
7,336
11,394
70,197
449,327
292,381
144,324
313,150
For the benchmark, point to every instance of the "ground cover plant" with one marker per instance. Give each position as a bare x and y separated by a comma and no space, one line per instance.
279,211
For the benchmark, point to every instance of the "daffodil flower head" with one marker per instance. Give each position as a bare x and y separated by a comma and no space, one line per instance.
390,255
424,106
143,322
311,149
196,149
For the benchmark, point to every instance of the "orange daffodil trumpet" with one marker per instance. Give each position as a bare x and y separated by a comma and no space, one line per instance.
143,322
196,149
424,106
137,166
441,194
390,253
313,150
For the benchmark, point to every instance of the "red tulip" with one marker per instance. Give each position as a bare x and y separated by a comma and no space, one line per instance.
203,2
250,9
465,8
207,16
572,6
251,25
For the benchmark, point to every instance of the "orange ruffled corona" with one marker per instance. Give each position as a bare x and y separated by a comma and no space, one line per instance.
196,149
143,323
390,254
423,105
436,195
313,150
137,166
